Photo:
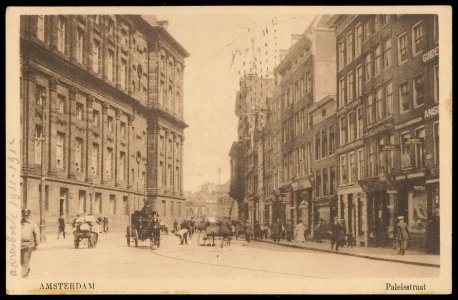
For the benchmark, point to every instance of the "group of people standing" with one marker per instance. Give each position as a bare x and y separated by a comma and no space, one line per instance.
184,230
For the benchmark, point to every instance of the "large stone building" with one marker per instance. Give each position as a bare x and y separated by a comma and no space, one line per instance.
101,115
388,82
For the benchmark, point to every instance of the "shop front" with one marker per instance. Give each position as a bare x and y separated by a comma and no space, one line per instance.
303,202
351,205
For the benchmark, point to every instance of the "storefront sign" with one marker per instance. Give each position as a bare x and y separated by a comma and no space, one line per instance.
410,122
286,198
412,141
350,146
391,148
400,177
416,175
431,54
432,111
419,188
379,129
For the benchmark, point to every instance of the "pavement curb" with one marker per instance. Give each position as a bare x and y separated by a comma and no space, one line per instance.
356,255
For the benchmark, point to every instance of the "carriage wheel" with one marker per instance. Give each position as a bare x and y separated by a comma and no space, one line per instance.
128,236
135,236
76,242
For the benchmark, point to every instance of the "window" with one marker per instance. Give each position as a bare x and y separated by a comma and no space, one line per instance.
317,146
390,155
360,164
349,48
343,169
122,166
368,27
40,95
110,123
351,126
417,38
420,148
95,56
79,111
406,159
353,172
387,54
170,179
358,40
436,143
161,175
332,180
113,204
436,83
61,99
359,81
303,120
342,92
368,66
377,60
38,143
109,163
79,155
41,28
79,45
389,98
95,159
60,144
402,48
98,203
381,155
123,74
95,118
376,23
372,166
325,181
309,158
350,83
343,130
308,82
419,90
332,140
110,65
370,109
359,123
324,141
318,183
380,104
61,35
404,99
82,206
341,54
384,20
123,129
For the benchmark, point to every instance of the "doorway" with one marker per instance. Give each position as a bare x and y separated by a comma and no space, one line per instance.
63,201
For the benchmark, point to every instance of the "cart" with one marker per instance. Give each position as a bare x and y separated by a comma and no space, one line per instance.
142,227
80,235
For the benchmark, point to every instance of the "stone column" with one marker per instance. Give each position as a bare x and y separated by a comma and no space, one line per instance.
104,49
392,199
181,165
173,150
105,107
118,114
71,107
89,111
52,133
152,162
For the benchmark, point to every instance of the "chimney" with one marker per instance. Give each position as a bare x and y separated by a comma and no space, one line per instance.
163,23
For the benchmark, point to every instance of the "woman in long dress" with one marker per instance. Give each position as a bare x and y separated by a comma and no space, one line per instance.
300,232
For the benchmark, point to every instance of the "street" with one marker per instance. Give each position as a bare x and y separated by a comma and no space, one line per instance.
113,259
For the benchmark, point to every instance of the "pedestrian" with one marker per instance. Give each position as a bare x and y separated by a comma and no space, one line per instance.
225,231
175,225
402,234
283,231
264,231
335,234
61,226
257,231
300,231
248,231
343,232
30,237
156,229
201,229
105,224
75,220
289,229
192,226
276,231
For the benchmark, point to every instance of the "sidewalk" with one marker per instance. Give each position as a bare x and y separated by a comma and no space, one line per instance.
384,254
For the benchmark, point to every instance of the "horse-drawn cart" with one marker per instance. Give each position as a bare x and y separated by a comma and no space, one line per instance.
144,226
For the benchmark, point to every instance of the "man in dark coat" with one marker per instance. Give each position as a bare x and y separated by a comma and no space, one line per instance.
276,230
289,228
61,224
257,231
336,231
402,234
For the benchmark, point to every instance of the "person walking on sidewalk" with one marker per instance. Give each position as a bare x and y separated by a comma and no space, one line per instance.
403,235
289,228
275,231
61,226
248,231
300,231
30,237
257,231
335,234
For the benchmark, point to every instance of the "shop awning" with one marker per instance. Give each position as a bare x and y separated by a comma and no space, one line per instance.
375,184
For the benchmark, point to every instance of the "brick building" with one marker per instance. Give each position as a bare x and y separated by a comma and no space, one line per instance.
387,79
101,108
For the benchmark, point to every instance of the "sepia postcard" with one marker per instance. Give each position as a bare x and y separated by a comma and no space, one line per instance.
229,150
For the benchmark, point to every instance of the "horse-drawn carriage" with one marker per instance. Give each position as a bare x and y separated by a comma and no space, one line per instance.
85,229
144,225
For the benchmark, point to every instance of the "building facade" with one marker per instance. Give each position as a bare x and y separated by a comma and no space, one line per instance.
388,81
90,108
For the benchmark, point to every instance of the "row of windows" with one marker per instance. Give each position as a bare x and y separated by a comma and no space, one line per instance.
297,163
351,126
325,182
322,148
171,212
296,91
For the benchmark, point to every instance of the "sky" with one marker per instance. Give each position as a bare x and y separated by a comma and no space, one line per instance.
211,80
